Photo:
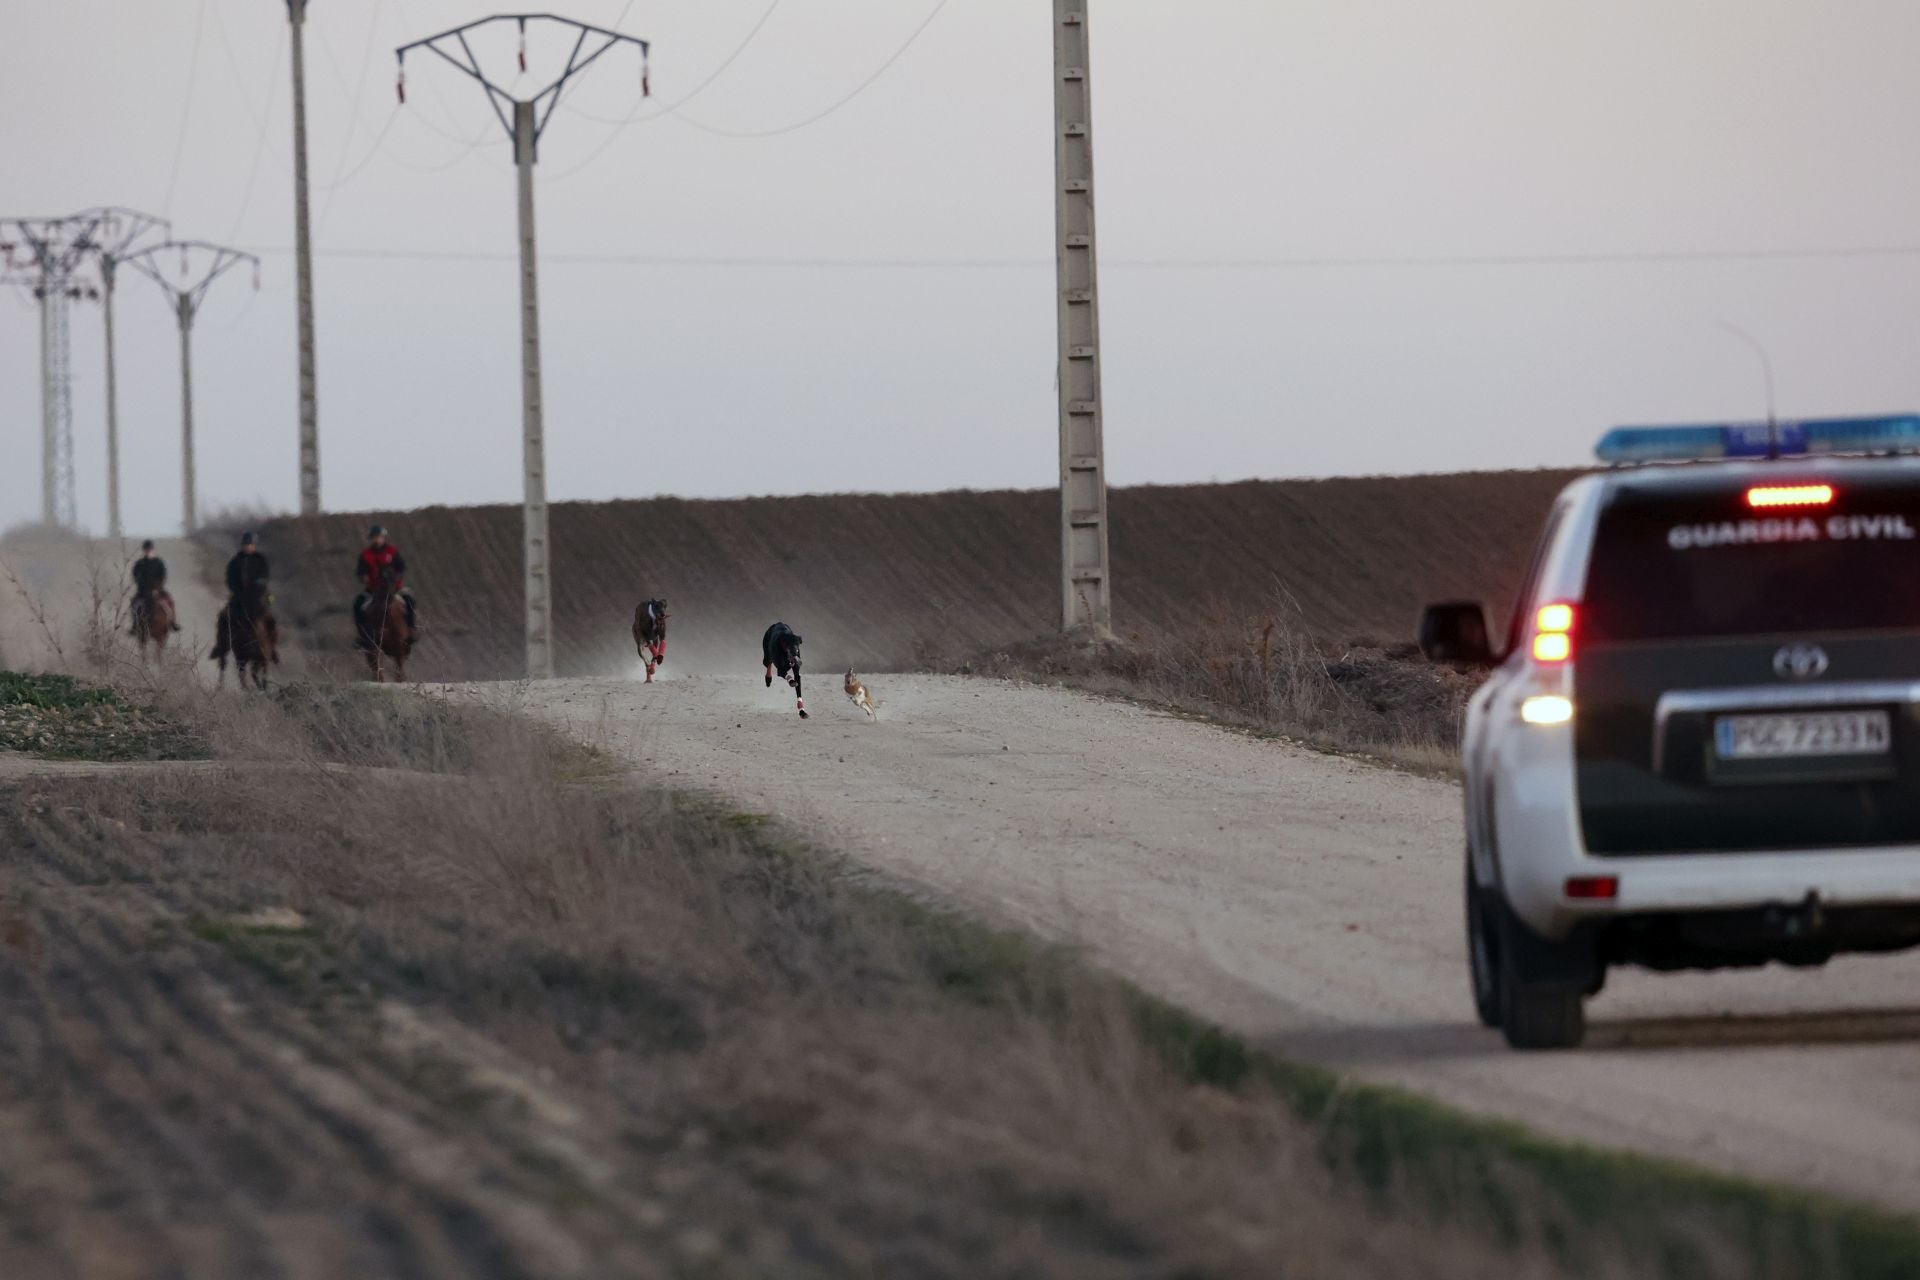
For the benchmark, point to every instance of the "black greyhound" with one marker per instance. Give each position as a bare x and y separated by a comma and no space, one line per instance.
780,650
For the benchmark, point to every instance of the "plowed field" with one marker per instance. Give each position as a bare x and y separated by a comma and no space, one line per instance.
895,581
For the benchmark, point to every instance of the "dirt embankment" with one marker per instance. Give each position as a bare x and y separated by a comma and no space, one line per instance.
905,580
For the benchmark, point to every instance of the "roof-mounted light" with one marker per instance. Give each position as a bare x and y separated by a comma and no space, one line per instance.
1894,434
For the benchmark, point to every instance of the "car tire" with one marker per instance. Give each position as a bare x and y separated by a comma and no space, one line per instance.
1537,1011
1483,956
1544,1017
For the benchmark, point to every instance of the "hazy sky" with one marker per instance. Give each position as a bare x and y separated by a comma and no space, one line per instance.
1340,237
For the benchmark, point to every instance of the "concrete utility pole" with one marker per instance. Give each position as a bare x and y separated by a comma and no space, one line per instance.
53,249
186,296
525,119
1085,583
303,272
122,229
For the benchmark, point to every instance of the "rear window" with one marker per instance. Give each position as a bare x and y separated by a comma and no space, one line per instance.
1679,566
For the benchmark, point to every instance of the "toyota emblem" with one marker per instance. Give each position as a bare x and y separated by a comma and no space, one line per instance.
1800,662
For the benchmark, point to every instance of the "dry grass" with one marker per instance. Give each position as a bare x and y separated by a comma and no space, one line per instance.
654,1041
61,606
1266,670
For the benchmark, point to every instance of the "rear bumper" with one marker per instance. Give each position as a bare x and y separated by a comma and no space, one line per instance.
1883,875
1539,843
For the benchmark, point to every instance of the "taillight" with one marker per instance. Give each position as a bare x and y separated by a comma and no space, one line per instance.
1790,495
1553,633
1593,888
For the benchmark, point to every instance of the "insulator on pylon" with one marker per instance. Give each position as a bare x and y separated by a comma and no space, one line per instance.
523,45
400,87
646,89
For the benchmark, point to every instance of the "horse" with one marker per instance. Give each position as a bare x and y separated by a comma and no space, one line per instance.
384,632
153,621
247,630
650,633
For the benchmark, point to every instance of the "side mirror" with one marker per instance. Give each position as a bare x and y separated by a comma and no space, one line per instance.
1456,631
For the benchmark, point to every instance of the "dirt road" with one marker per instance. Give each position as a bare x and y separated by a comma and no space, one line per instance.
1309,901
64,601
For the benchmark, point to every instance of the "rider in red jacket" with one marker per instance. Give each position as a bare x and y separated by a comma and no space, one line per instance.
376,558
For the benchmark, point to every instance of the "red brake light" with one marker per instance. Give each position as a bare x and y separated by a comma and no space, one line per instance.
1553,632
1593,888
1790,495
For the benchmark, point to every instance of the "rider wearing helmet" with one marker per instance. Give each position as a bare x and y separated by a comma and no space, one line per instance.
247,572
149,583
247,585
377,557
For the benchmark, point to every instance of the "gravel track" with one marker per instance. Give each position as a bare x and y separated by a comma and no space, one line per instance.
1308,900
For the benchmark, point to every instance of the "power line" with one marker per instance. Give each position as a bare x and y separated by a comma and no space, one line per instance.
357,91
818,116
260,141
669,108
346,175
673,108
233,64
1437,262
353,102
691,94
186,109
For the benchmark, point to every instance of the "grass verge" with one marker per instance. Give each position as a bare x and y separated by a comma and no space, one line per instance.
63,718
1575,1202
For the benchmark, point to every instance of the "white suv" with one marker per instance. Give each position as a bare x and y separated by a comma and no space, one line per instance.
1700,743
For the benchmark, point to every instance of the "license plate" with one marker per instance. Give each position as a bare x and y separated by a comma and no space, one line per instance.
1819,733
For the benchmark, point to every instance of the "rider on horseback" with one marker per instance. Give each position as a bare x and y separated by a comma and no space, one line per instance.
377,559
149,584
246,589
247,572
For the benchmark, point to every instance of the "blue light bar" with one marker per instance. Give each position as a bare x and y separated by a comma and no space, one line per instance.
1895,434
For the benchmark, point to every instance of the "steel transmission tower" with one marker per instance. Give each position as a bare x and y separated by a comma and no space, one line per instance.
1086,585
303,272
53,249
120,231
186,294
525,120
